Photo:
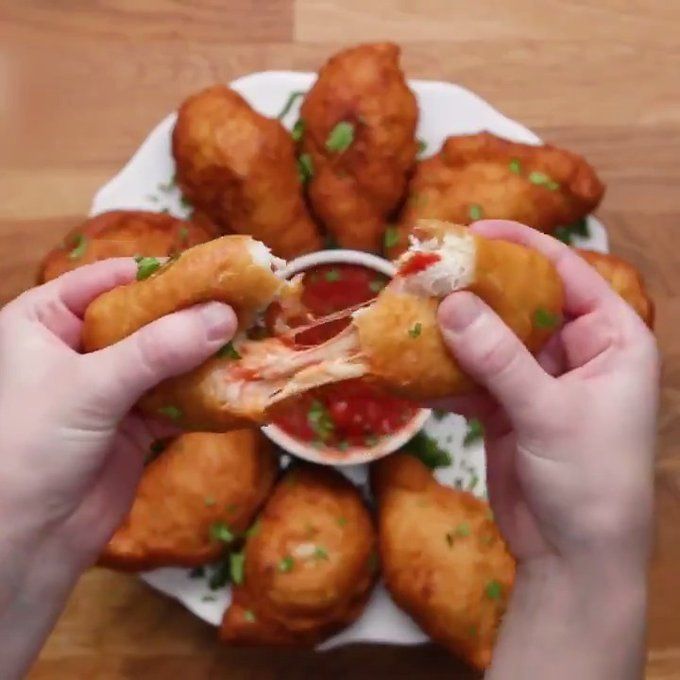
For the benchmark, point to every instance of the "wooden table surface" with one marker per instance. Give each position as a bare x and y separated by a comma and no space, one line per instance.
81,84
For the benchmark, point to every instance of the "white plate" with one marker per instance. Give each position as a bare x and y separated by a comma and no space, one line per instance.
445,109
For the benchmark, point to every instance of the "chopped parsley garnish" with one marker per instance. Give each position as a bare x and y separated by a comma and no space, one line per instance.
167,186
220,576
540,179
376,286
146,266
332,275
343,445
236,564
319,419
545,319
170,412
567,232
305,168
475,211
474,480
286,564
209,501
493,590
298,130
197,572
371,439
563,234
426,449
391,237
249,616
475,431
228,351
219,531
185,202
340,137
79,247
515,166
292,98
463,529
416,330
342,521
254,529
422,146
320,553
209,598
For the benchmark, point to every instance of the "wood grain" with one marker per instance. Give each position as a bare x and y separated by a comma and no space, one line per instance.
81,83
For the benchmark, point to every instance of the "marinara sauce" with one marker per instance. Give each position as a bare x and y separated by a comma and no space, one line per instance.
353,412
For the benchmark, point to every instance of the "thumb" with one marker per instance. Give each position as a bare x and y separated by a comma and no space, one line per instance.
170,346
491,353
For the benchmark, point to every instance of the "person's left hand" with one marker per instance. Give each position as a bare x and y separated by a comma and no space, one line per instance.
71,452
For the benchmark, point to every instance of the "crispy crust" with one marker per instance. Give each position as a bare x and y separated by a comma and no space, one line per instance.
239,168
625,279
123,233
439,551
311,507
198,480
353,192
475,170
222,270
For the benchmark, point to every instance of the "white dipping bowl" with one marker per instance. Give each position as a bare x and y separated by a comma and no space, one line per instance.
355,454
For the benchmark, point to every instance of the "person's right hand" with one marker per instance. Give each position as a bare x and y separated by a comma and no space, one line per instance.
569,438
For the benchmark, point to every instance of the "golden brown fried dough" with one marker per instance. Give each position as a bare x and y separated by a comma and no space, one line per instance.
625,279
123,233
443,559
200,481
482,176
360,180
236,270
239,168
309,566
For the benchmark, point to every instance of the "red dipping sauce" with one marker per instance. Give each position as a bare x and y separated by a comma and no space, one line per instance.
353,412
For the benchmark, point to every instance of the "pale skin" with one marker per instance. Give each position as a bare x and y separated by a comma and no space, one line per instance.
574,502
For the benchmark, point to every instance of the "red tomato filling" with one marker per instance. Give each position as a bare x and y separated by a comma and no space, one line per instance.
418,262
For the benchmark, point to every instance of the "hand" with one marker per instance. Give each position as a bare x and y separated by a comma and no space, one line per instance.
569,434
71,452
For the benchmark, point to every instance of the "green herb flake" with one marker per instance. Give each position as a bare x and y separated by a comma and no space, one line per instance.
563,234
416,330
463,530
286,564
580,227
332,275
320,420
167,187
220,576
79,247
305,168
343,445
249,616
209,501
545,319
236,564
493,590
298,130
515,166
540,179
185,203
371,439
475,212
146,266
197,572
342,521
422,146
254,529
377,285
341,137
183,234
219,531
292,98
475,431
428,451
171,412
320,553
208,598
391,237
228,351
474,480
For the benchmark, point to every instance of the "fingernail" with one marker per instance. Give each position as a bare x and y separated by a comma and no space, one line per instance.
459,310
219,320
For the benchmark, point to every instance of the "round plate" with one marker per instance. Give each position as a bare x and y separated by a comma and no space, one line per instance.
145,183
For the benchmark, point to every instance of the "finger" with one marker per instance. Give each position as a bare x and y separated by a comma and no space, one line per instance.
479,404
60,321
552,358
491,353
170,346
585,290
586,338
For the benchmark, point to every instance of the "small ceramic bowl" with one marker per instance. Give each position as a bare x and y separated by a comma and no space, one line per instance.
355,454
